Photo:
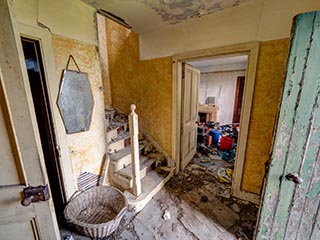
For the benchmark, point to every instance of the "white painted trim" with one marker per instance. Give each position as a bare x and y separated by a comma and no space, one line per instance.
252,49
44,37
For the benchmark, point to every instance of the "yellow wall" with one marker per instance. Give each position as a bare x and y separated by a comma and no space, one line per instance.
268,86
148,84
86,148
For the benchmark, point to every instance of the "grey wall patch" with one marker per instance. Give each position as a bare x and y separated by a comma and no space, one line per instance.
177,11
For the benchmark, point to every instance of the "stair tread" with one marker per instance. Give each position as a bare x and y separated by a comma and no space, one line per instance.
151,184
121,136
113,125
123,152
145,162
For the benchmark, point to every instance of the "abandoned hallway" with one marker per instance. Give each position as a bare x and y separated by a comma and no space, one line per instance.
102,119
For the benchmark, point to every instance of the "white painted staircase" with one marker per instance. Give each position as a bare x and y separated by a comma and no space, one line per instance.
154,172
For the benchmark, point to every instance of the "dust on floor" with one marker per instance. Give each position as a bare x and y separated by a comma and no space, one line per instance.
195,204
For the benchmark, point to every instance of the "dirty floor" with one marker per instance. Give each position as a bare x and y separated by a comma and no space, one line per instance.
195,204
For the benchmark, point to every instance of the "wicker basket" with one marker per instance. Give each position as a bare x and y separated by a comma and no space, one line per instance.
97,211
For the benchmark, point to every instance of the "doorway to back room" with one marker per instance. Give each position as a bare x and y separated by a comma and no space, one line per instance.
219,105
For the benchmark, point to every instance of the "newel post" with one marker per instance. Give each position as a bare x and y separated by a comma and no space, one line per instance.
134,132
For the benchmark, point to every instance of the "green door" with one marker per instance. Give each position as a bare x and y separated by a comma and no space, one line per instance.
291,208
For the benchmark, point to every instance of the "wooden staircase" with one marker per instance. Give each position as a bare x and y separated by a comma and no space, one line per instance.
153,169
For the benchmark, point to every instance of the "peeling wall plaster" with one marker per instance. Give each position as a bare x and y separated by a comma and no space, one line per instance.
178,11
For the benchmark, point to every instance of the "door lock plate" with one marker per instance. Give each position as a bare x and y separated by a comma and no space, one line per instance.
35,194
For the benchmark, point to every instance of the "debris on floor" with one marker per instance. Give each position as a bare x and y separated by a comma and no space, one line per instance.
193,205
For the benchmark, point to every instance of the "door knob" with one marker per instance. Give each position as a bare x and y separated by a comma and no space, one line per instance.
27,201
35,194
294,178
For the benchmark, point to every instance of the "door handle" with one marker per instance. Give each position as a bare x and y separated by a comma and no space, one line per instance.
35,194
294,178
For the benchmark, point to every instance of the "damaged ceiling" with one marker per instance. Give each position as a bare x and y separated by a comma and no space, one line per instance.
150,15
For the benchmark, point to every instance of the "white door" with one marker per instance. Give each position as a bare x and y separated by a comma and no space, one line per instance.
189,113
21,159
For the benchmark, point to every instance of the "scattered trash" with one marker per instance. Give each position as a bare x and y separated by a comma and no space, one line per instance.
68,237
229,172
224,175
166,215
205,160
235,207
204,199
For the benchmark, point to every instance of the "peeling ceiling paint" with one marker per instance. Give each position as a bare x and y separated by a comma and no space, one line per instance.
176,11
150,15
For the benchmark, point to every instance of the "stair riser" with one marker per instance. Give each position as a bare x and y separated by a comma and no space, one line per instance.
126,183
112,134
121,163
117,146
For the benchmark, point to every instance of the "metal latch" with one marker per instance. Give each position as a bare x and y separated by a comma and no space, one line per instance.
35,194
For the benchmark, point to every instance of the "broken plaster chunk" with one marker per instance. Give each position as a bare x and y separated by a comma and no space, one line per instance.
235,207
166,215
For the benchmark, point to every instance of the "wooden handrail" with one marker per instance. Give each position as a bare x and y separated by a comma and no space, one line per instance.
135,161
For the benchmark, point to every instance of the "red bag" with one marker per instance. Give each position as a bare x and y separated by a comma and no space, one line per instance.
226,143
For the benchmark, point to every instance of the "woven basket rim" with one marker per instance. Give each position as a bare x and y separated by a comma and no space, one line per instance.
95,225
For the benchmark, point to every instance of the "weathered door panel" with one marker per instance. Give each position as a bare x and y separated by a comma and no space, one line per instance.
289,210
190,92
20,152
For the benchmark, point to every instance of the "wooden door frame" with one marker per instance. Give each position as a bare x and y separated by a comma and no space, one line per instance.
236,97
252,50
44,38
22,130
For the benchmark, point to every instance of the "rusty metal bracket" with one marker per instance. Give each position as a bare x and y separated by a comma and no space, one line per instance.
35,194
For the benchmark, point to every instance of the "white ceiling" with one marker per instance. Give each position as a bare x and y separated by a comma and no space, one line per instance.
150,15
223,63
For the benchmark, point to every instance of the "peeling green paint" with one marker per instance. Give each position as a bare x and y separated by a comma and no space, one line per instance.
290,211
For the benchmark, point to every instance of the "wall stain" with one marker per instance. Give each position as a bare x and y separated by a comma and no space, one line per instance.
178,11
86,148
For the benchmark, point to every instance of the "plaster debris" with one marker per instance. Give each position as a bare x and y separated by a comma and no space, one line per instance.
193,205
166,215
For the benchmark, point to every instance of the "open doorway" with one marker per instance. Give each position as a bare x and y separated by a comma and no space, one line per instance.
219,105
247,51
38,86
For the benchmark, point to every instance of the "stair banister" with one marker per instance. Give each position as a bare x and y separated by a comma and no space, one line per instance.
134,132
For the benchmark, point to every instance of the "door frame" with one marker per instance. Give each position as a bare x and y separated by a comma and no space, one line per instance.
252,50
44,38
239,85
